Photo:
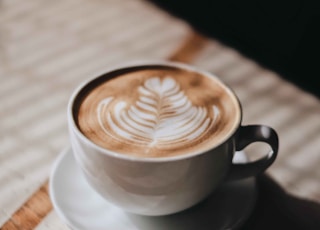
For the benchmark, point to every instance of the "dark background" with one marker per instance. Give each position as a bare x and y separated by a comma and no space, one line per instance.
280,35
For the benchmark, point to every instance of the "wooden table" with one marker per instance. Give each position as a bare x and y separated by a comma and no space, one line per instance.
47,48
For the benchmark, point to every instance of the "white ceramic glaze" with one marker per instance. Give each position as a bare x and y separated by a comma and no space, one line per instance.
151,187
163,185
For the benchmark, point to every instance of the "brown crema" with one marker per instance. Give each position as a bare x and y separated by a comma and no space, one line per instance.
156,111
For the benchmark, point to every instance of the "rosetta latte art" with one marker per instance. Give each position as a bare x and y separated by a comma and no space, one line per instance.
163,117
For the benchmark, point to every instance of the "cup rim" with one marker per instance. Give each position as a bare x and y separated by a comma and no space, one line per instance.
76,130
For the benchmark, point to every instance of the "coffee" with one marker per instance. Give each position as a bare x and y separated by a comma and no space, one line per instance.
156,111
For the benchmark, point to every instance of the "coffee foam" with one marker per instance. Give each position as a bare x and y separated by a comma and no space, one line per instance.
157,112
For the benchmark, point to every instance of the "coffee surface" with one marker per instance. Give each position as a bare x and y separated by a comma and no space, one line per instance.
157,111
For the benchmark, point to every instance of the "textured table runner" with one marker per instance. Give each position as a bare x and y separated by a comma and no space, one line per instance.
48,47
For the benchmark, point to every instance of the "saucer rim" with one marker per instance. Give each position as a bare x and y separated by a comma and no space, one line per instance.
68,150
52,194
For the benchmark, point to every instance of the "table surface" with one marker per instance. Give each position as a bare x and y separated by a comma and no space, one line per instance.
47,48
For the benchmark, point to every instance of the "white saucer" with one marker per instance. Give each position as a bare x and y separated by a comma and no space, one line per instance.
81,208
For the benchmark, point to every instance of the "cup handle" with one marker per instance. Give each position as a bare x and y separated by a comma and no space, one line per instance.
247,135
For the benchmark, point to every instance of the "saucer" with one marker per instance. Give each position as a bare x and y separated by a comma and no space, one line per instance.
81,208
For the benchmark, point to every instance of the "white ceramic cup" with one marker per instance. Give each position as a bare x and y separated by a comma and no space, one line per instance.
165,185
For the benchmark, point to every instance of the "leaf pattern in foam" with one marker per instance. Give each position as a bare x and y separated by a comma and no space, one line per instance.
163,117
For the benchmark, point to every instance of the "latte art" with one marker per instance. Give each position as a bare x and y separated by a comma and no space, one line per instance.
156,111
163,117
